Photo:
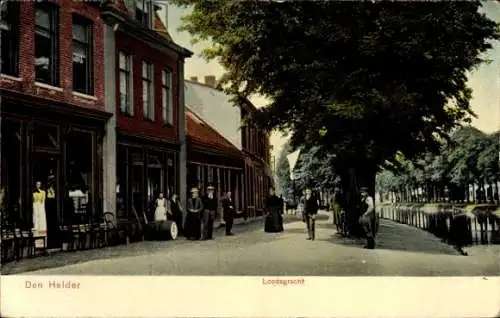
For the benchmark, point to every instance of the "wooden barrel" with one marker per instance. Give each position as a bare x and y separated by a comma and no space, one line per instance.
164,230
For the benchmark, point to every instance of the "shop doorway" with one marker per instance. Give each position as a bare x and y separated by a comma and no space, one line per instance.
46,167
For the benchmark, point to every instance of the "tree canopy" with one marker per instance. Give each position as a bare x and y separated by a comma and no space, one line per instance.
362,79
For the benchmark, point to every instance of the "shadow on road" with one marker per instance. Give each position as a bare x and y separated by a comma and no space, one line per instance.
60,259
393,236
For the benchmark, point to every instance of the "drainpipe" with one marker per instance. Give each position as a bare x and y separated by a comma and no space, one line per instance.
182,137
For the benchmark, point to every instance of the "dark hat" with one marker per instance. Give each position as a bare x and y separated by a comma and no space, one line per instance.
363,189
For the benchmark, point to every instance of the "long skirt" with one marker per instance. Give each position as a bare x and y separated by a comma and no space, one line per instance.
460,233
192,227
39,224
273,223
336,213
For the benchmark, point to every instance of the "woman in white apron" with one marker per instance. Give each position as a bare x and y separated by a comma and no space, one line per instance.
39,216
161,209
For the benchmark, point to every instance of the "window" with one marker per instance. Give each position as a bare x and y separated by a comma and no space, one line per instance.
82,56
46,44
9,25
166,95
147,91
143,12
126,84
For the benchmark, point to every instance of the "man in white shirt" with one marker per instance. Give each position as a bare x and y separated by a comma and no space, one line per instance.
367,218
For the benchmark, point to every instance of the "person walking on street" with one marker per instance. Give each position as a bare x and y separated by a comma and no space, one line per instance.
228,212
209,212
192,228
311,206
274,213
367,218
300,205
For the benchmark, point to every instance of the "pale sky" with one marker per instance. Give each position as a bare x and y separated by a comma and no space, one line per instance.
485,81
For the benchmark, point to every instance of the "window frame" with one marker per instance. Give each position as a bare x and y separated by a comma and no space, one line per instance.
11,25
148,78
89,27
167,97
129,108
54,31
146,18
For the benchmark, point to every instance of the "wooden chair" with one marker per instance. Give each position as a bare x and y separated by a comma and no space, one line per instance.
8,244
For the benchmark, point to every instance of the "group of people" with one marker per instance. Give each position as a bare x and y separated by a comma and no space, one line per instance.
367,219
202,211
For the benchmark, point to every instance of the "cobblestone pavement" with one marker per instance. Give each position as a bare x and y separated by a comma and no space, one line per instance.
401,251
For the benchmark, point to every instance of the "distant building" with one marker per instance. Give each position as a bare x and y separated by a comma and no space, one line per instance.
250,172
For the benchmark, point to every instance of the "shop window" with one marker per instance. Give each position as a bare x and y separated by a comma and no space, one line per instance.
79,174
45,136
121,182
136,180
9,26
11,171
172,172
156,174
82,56
47,43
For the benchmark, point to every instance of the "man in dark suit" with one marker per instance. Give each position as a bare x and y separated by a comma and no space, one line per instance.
209,212
228,212
311,206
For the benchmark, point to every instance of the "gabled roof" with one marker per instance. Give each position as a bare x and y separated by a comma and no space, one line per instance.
214,107
202,133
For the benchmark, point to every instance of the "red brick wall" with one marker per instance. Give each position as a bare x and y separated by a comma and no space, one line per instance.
137,123
64,93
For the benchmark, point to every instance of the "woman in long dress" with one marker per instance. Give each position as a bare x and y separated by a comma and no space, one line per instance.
39,216
161,209
274,216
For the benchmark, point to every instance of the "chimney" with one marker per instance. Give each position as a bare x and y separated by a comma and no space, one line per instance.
194,78
210,81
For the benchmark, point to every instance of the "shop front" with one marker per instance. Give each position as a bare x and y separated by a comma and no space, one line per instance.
51,165
145,168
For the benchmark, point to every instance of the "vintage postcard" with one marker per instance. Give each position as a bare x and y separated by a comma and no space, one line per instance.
182,158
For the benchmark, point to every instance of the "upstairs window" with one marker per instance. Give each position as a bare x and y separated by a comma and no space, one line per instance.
126,84
147,91
9,26
83,79
166,95
46,43
144,12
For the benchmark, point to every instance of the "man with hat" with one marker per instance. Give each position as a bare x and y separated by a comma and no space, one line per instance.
311,207
209,211
192,228
367,217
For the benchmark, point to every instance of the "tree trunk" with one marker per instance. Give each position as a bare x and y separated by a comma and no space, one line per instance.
352,181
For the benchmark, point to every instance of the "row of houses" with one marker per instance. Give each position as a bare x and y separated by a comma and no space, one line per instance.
95,107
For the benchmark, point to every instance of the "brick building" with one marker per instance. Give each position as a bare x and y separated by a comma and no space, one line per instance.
53,115
144,76
235,158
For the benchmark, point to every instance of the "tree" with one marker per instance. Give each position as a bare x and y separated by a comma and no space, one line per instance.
283,172
362,80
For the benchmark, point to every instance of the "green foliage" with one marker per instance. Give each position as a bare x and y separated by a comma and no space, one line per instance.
362,80
469,157
283,172
314,169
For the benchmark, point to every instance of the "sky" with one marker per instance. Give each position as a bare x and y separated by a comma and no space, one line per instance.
484,81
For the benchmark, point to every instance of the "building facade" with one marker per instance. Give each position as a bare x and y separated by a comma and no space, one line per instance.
144,81
257,170
52,112
249,175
